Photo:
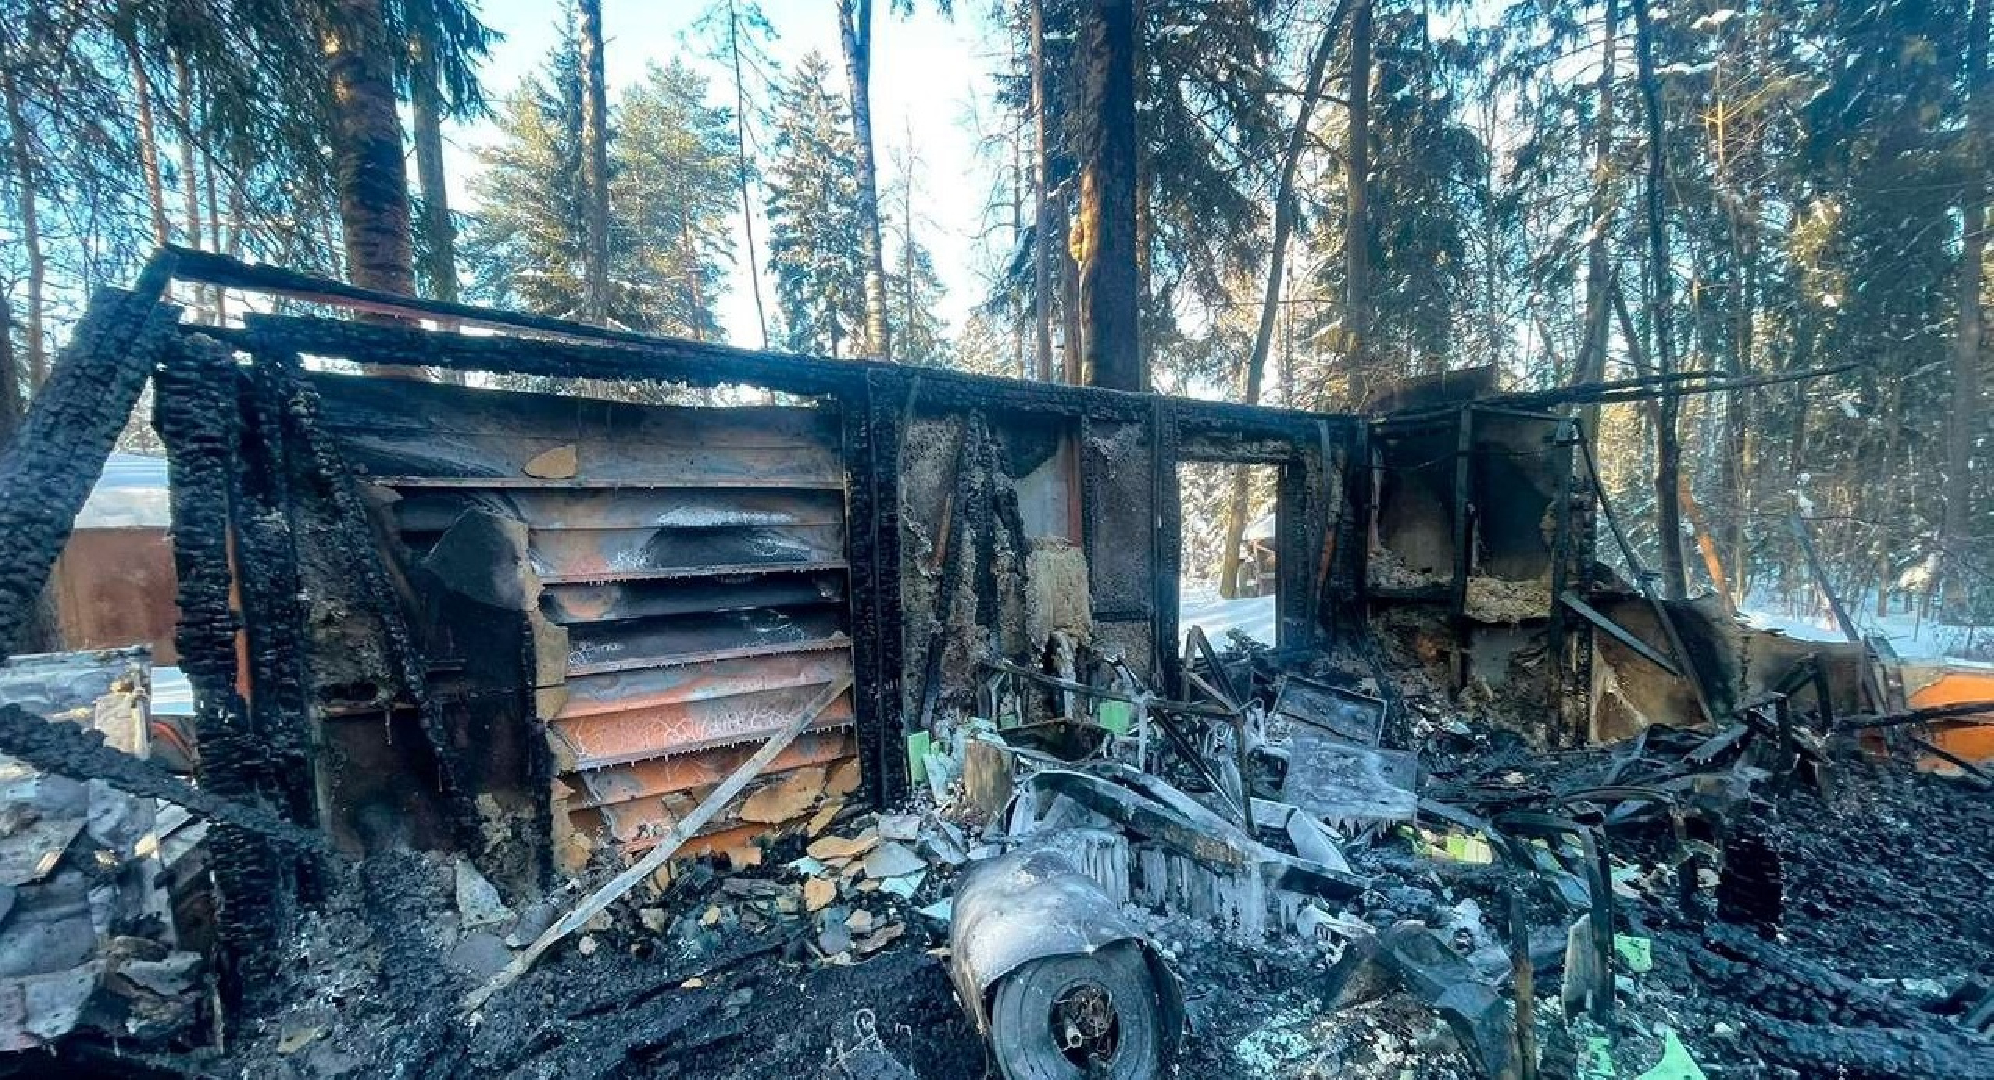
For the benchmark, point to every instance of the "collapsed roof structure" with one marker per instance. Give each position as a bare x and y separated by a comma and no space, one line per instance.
553,619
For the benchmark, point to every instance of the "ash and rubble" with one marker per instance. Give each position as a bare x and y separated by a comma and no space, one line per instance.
1864,950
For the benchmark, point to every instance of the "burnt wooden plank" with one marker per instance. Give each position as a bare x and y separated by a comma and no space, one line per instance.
628,461
619,691
567,554
577,603
694,508
686,772
68,433
717,570
534,483
626,643
594,742
358,403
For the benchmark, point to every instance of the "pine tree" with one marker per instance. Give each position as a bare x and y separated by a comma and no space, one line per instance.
815,253
671,203
525,245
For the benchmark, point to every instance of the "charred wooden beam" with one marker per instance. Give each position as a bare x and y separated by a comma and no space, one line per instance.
1663,616
68,434
197,414
1619,633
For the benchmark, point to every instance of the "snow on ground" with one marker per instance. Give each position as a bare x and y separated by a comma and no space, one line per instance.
1199,604
1913,638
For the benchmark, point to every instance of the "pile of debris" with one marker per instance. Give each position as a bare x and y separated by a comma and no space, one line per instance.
105,920
1249,883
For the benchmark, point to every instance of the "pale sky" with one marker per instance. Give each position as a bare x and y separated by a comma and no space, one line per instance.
929,77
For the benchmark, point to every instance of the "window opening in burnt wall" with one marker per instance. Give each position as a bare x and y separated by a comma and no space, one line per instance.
1228,565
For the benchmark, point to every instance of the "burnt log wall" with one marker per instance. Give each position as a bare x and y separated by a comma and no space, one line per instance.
1123,447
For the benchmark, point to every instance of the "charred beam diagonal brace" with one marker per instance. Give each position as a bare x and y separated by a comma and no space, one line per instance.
1662,614
69,431
325,461
1620,633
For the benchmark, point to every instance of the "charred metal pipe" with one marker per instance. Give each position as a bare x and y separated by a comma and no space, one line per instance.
1061,985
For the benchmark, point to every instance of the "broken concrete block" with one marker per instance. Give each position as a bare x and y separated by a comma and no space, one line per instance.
559,463
841,847
818,892
890,860
790,796
478,901
822,819
899,826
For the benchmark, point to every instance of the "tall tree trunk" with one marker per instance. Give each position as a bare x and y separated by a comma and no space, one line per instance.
1042,212
1270,300
855,35
192,231
1668,446
1966,415
741,168
1357,189
695,292
367,150
439,233
1890,406
148,140
1072,372
215,242
1591,366
595,168
1110,285
21,149
1739,204
11,410
907,250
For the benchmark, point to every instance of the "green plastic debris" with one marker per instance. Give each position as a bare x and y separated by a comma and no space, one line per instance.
918,745
1596,1059
1637,953
1469,849
1116,716
1676,1064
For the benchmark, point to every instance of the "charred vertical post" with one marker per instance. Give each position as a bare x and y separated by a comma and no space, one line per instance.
196,416
273,615
1464,537
872,470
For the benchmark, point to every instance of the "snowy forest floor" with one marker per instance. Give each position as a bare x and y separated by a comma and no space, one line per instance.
1199,604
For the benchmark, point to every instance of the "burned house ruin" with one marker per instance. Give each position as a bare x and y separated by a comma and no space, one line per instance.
536,612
